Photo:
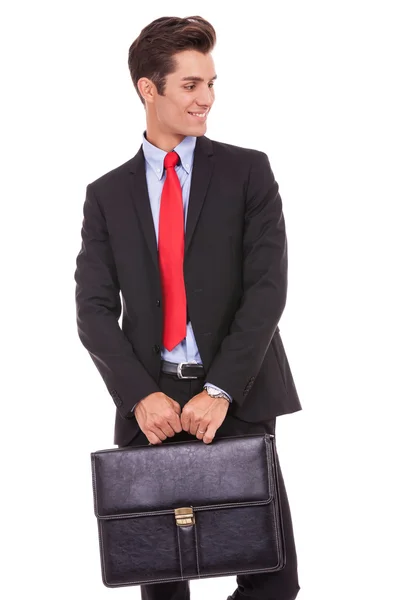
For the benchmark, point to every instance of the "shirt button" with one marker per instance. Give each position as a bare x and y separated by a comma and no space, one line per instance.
156,349
158,170
187,166
158,303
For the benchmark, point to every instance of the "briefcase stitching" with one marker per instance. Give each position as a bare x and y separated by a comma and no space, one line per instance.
270,465
272,478
103,560
99,527
96,510
272,487
205,576
277,511
197,551
180,553
169,511
233,504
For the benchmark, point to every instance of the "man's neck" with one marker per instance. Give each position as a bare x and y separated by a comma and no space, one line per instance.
166,142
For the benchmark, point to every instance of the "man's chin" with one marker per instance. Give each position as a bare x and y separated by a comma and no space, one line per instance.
196,131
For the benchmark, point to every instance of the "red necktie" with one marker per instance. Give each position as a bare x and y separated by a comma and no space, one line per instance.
171,245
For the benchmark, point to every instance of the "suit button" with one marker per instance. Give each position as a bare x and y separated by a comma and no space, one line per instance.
156,349
158,303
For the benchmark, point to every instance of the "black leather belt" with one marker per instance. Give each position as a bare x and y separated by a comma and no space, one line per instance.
183,370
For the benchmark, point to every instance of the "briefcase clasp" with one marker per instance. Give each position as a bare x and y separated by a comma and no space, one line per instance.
184,516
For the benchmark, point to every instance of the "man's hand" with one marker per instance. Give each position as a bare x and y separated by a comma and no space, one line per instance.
204,414
158,417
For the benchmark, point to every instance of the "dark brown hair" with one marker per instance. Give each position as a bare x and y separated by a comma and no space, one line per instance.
151,54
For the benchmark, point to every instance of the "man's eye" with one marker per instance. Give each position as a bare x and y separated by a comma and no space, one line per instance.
189,87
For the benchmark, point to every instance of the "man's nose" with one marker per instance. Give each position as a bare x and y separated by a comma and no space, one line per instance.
205,98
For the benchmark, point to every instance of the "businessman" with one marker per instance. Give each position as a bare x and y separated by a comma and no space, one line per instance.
187,239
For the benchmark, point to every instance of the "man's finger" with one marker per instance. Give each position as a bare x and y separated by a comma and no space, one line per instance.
201,430
209,434
176,423
193,425
177,407
185,420
162,426
153,438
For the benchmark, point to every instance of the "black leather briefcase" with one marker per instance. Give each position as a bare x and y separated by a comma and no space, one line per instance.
188,510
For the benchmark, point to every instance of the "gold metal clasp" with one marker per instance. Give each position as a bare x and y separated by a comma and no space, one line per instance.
184,516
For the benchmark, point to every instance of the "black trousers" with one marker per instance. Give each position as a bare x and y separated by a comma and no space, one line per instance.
278,585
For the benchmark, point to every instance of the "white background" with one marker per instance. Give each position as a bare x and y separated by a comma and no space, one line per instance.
315,86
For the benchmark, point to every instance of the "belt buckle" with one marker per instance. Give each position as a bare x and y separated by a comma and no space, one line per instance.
179,370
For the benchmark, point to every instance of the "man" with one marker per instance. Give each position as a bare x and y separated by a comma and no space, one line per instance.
190,235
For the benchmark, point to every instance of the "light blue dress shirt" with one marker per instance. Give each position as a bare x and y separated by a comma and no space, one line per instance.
187,350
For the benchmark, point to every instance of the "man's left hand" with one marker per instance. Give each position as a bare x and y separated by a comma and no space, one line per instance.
202,416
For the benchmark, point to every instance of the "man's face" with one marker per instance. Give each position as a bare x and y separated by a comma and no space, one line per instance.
170,113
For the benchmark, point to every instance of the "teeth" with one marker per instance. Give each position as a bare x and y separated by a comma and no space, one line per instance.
198,114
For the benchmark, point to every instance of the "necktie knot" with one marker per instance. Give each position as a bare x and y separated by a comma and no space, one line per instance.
171,160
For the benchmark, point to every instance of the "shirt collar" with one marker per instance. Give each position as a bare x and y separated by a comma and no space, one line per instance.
155,156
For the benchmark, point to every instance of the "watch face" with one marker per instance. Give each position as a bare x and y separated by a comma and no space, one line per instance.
214,393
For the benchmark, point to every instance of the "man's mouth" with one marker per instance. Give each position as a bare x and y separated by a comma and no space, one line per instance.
198,115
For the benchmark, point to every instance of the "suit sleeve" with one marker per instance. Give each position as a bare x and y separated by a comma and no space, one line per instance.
98,308
241,353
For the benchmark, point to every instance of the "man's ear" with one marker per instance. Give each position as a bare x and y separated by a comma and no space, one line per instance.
146,88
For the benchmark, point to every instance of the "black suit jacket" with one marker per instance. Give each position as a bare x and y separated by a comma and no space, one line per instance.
235,270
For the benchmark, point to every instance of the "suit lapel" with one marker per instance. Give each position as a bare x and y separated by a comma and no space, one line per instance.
203,166
141,202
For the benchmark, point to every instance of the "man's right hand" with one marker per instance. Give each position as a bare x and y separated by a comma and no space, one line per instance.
158,417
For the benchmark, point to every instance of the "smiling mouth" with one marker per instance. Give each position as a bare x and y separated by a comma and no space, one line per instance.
199,116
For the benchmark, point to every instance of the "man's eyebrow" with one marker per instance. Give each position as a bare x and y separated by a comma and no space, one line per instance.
194,78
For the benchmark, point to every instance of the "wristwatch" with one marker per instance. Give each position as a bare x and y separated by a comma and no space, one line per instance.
215,393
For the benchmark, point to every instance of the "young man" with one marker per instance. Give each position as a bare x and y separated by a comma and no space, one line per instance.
191,233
